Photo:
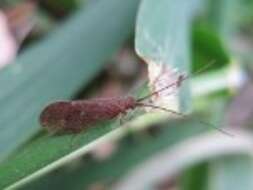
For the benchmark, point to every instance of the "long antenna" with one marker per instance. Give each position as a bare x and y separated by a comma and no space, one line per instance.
178,82
185,116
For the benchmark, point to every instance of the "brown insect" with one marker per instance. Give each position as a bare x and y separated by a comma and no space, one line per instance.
76,116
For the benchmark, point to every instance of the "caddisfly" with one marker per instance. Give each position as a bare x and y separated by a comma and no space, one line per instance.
77,115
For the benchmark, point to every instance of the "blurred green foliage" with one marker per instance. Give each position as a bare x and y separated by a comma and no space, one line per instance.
184,34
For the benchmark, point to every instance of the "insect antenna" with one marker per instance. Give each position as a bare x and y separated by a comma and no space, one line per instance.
178,82
184,116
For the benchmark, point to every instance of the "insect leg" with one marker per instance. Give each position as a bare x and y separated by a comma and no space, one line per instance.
123,118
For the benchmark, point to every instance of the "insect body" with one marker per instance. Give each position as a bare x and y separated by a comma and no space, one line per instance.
75,116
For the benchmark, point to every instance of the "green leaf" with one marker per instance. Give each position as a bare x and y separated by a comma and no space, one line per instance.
208,47
132,150
220,15
184,155
57,67
195,178
163,36
46,153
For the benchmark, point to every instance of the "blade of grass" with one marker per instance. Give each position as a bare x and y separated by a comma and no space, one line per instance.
184,155
126,157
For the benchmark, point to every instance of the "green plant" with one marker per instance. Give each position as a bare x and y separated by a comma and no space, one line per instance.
181,35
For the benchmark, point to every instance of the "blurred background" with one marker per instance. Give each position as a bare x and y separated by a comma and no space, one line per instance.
82,49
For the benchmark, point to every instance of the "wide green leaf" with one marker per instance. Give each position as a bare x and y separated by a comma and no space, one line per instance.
129,154
163,34
58,66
